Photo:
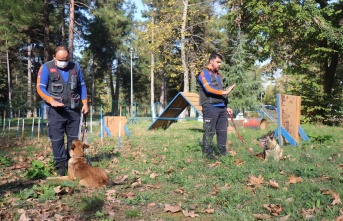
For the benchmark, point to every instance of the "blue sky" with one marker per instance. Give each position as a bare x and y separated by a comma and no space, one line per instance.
138,14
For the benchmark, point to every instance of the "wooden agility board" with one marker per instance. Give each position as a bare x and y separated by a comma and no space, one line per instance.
290,114
112,123
180,102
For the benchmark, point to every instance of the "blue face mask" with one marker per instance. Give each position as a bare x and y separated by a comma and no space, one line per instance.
61,64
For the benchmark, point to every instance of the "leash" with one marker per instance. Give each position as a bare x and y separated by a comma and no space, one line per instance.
83,122
240,136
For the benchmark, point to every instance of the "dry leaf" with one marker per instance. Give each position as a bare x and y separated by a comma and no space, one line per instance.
285,218
120,180
273,184
172,209
181,191
337,199
153,175
238,162
189,213
24,217
293,179
136,184
274,209
233,153
262,216
215,190
58,189
255,181
213,164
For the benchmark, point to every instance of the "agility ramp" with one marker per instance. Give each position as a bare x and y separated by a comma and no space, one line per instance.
171,114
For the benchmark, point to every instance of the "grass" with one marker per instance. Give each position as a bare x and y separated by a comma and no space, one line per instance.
167,167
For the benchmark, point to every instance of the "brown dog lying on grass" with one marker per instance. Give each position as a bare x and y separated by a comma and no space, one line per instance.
78,169
271,147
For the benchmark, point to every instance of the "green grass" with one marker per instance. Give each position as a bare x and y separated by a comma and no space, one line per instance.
183,177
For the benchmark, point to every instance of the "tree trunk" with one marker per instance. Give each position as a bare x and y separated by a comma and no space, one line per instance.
163,95
116,95
183,53
29,79
63,33
9,84
330,72
47,56
111,88
152,74
183,49
71,30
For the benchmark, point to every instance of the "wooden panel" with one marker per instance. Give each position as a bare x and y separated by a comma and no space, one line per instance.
112,123
290,114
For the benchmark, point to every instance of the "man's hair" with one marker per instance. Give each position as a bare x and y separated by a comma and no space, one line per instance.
61,48
215,55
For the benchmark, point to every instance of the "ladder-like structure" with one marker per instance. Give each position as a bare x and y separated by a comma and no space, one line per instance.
171,114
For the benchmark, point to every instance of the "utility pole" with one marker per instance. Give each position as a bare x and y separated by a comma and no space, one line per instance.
131,102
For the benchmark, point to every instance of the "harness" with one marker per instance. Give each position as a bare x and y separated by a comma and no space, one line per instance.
61,91
206,98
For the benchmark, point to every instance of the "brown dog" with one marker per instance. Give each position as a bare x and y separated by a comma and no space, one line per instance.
271,147
78,169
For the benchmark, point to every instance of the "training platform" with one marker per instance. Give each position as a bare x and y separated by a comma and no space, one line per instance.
171,114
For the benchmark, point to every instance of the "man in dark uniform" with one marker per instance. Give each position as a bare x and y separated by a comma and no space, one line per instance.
61,85
213,99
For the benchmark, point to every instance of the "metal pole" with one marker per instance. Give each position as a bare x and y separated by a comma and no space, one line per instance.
131,102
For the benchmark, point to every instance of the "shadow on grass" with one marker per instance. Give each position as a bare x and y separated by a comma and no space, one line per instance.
16,186
103,156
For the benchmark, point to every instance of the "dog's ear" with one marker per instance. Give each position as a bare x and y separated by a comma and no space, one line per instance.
72,146
85,146
271,134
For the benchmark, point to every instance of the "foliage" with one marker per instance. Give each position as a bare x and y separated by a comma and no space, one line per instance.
37,170
162,174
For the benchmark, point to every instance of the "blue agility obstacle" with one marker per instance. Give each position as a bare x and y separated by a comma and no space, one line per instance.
281,131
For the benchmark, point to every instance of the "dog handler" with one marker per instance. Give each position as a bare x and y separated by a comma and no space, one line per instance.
61,85
213,99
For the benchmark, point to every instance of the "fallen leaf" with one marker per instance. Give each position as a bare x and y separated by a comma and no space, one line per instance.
337,199
262,216
274,209
24,217
189,213
213,164
293,179
273,184
215,190
153,175
285,218
233,153
136,184
255,181
58,189
181,191
129,195
120,180
238,162
172,209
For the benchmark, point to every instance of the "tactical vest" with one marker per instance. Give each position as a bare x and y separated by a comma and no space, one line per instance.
66,93
206,98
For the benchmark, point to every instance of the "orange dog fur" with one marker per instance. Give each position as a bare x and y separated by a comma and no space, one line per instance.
78,169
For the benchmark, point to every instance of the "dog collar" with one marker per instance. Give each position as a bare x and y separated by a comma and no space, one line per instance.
75,156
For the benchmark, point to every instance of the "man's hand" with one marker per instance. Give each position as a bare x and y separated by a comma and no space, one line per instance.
55,103
84,109
229,111
229,89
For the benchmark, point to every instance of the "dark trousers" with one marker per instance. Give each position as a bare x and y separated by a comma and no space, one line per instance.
215,123
62,121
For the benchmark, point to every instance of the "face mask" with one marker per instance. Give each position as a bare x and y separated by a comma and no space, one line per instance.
61,64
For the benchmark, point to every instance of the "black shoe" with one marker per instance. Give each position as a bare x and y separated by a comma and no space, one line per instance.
210,157
62,171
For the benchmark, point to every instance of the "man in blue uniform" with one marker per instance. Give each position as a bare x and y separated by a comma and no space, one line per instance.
213,99
61,85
